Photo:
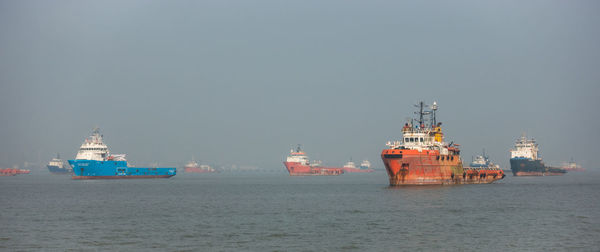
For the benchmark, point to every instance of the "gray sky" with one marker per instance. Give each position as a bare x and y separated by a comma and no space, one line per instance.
240,82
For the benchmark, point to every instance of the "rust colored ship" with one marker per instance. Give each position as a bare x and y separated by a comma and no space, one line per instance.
423,158
297,164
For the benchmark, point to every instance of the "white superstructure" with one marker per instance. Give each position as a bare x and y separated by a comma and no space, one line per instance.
56,162
93,148
365,164
525,148
350,164
421,137
298,156
479,161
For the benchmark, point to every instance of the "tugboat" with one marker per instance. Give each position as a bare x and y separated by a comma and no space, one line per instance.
57,166
297,165
525,161
423,158
94,161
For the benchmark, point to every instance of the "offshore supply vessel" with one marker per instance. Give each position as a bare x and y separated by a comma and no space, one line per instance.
94,161
572,166
194,167
297,164
525,161
58,166
423,158
350,167
483,161
13,171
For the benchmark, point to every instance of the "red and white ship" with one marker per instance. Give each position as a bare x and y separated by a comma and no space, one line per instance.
194,167
297,164
350,167
423,158
572,166
13,171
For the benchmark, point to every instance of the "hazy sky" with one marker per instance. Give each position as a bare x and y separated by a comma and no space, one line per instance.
241,82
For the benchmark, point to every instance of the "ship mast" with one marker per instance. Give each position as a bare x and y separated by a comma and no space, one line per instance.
422,113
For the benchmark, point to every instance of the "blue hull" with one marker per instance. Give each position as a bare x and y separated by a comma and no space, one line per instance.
57,170
92,169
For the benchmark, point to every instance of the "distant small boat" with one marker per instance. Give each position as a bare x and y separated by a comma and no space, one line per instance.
13,171
194,167
350,167
572,166
58,166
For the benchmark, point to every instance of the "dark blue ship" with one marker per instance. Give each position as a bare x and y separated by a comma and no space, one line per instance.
93,161
525,161
57,166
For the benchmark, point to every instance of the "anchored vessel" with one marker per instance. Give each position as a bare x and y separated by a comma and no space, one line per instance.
365,165
297,165
94,161
350,167
572,166
483,161
13,171
194,167
525,161
57,166
423,158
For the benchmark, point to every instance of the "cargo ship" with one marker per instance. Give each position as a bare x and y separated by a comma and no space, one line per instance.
94,161
194,167
297,164
350,167
57,166
423,158
525,161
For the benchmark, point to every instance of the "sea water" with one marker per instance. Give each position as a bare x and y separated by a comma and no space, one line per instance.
275,212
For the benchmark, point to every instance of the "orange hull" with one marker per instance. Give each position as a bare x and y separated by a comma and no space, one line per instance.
428,167
298,169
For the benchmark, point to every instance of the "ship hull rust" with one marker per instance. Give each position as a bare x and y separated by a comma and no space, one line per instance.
411,167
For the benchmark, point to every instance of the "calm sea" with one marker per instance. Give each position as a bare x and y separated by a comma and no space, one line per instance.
275,212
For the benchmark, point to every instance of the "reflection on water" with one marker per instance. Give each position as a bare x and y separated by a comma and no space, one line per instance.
272,211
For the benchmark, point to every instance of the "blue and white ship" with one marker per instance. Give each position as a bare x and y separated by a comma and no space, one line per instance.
57,166
94,161
483,161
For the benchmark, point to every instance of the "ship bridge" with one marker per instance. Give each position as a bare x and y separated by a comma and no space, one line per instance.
93,148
